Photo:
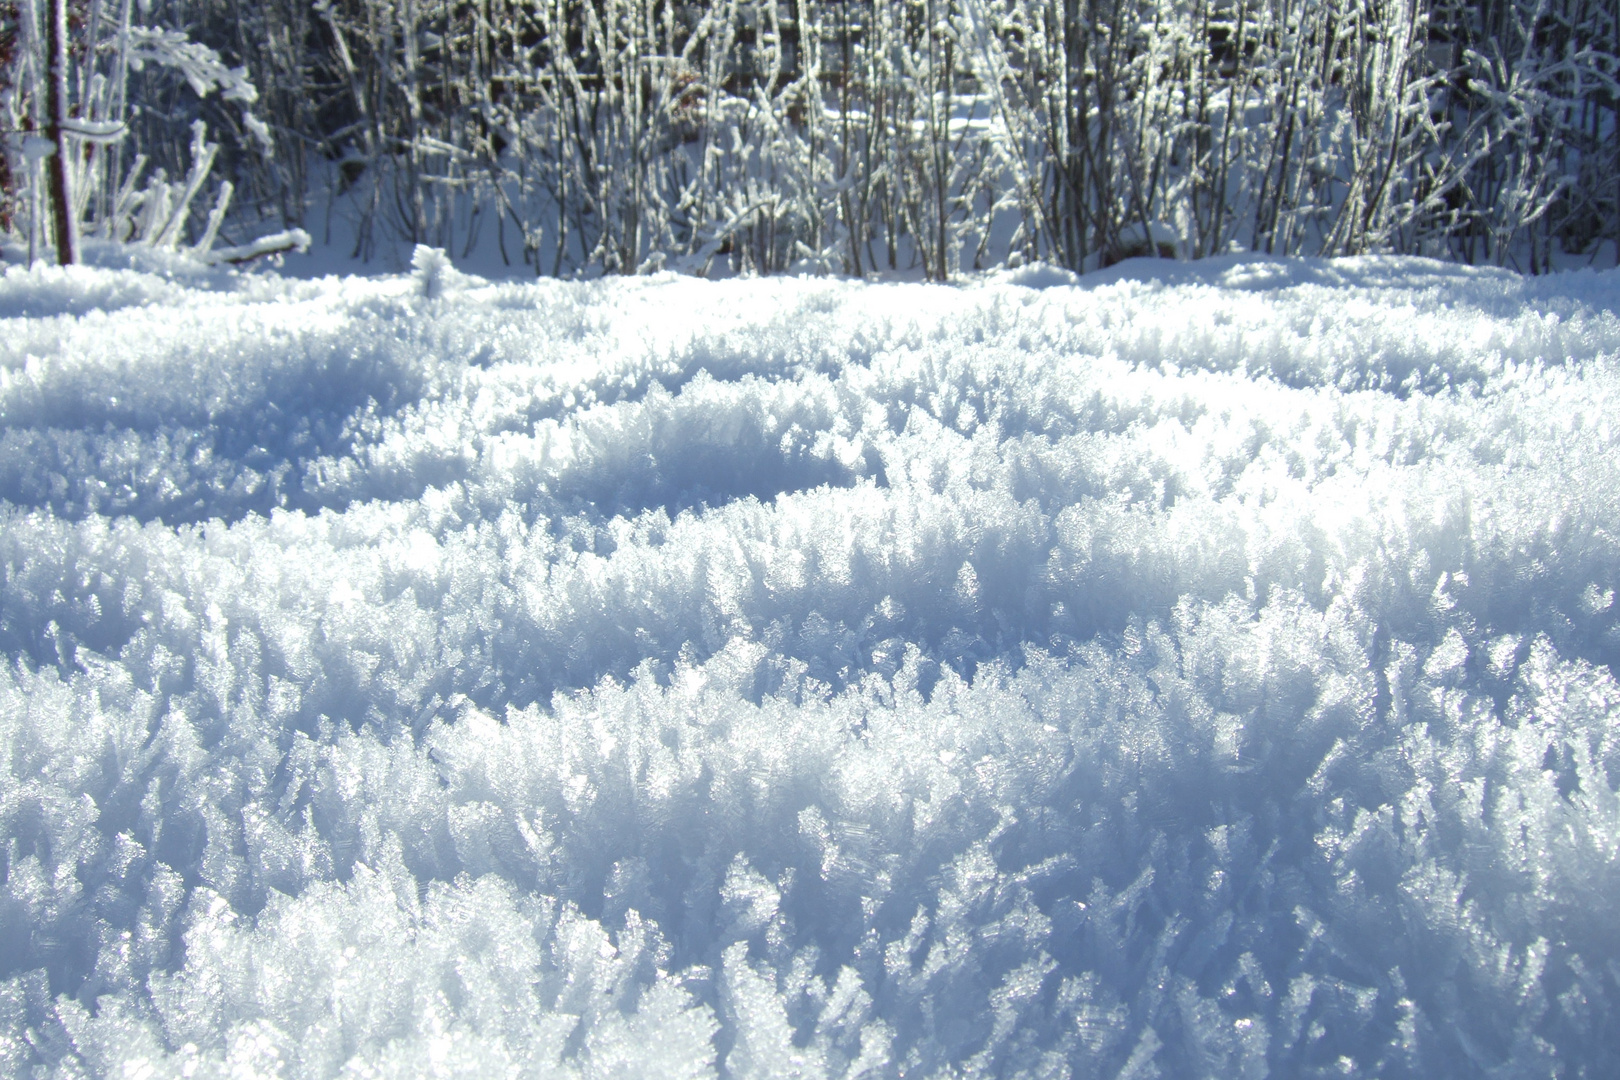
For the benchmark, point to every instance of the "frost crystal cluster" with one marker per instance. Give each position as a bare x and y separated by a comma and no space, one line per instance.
1050,677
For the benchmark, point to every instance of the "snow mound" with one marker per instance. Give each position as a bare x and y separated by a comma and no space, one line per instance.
1181,671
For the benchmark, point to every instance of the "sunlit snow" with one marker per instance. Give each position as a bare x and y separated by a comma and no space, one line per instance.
1184,670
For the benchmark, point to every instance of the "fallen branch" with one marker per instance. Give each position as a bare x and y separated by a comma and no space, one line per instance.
274,244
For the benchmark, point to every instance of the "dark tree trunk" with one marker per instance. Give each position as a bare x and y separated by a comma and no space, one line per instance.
56,108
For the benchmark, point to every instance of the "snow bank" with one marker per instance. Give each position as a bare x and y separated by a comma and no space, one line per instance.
1131,675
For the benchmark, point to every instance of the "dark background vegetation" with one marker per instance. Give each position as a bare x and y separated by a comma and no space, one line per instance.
850,136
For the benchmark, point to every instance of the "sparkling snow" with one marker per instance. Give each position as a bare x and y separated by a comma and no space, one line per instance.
1184,670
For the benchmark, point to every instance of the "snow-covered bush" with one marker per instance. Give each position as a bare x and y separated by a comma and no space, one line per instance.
933,135
936,135
102,187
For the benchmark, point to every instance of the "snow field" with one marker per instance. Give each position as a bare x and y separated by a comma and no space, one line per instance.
1200,676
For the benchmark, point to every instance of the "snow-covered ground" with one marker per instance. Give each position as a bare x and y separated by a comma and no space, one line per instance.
1208,675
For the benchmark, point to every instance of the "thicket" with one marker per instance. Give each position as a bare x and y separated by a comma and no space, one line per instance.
626,135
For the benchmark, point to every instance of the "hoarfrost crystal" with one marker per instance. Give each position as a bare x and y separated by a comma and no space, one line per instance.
654,678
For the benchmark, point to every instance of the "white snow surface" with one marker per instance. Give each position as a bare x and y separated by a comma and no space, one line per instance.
1179,671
